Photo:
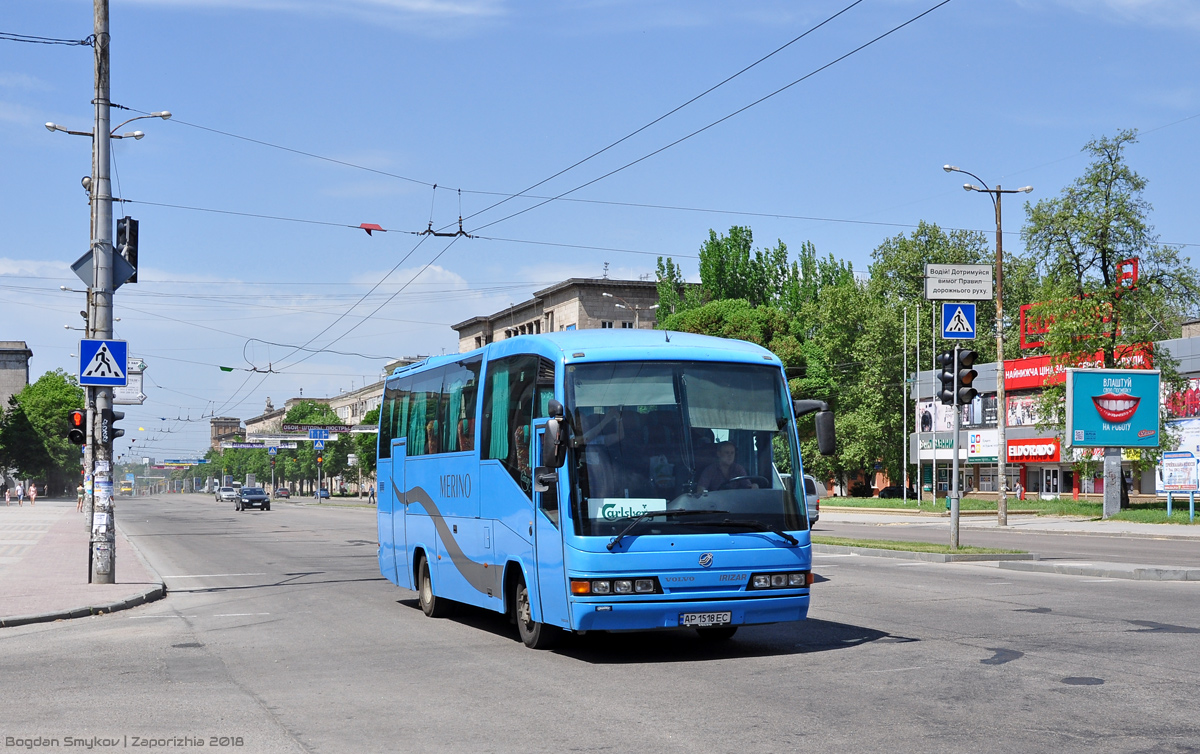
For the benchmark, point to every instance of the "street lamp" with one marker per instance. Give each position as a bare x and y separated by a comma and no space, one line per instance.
1001,410
630,307
164,114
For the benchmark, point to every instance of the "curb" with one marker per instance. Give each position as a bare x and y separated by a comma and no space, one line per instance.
912,512
930,557
150,595
1136,573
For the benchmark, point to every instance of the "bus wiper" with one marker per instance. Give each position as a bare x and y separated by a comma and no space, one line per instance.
751,524
647,514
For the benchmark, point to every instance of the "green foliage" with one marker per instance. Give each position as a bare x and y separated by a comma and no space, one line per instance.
33,430
365,444
1079,243
311,412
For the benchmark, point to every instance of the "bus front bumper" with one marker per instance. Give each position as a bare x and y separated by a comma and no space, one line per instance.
619,615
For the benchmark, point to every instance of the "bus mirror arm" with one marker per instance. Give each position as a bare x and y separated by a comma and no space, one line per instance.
544,479
826,440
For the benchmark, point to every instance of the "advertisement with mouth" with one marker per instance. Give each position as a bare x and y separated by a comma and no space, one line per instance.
1113,408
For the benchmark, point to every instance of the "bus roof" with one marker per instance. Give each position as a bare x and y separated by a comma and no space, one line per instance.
576,346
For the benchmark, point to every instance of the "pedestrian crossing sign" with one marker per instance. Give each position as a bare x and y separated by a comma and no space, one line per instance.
102,363
958,321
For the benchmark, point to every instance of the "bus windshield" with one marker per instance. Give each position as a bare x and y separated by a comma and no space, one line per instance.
712,439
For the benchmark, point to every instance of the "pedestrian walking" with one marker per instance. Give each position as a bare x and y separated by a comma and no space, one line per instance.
79,498
371,494
7,496
32,493
20,494
1020,491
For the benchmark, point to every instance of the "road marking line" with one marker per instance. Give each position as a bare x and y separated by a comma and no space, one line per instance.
893,670
214,575
236,615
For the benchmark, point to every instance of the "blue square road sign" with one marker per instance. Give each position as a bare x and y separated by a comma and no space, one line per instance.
958,321
102,363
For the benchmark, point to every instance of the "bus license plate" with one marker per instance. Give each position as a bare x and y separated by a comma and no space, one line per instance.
702,620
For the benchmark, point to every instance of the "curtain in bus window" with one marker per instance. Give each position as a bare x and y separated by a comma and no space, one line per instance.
498,406
424,406
741,399
459,395
626,385
416,424
385,419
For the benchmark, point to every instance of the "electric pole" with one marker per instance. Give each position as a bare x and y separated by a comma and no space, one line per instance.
103,565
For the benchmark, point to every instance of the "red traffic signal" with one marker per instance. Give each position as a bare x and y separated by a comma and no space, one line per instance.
319,459
76,427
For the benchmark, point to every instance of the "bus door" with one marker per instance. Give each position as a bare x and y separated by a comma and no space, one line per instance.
404,575
385,512
548,542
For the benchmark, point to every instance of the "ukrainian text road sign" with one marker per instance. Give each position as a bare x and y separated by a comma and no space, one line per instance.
102,363
958,281
958,321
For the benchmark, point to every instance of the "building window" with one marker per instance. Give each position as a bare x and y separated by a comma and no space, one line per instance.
606,325
626,325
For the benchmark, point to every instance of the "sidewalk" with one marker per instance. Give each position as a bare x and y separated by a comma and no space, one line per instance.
1039,524
44,567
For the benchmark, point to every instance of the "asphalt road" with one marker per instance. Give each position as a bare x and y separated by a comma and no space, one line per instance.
1116,549
279,634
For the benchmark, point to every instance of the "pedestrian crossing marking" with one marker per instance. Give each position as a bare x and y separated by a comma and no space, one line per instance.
103,365
959,323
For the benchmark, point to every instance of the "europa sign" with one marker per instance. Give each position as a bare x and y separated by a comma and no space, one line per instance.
1113,408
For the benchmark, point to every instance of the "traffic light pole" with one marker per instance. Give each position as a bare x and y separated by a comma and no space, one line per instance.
954,492
102,564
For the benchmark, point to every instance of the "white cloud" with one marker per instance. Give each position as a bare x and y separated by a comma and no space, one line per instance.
35,268
21,81
1169,13
12,113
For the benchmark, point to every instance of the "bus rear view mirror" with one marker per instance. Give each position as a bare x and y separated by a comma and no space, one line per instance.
826,441
554,439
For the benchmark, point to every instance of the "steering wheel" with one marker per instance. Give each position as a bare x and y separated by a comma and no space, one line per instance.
761,481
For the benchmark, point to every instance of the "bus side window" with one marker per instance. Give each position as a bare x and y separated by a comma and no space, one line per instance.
385,418
460,392
513,395
423,404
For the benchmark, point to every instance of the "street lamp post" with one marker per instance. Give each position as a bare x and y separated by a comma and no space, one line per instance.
102,558
1001,410
637,325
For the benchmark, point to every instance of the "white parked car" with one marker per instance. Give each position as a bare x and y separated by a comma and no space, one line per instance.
813,492
227,495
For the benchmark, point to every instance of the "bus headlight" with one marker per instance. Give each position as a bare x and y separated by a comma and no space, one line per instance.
601,587
794,580
634,585
623,586
644,586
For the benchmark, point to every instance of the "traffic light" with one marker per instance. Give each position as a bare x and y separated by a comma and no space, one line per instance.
108,432
77,427
945,362
966,376
320,460
127,243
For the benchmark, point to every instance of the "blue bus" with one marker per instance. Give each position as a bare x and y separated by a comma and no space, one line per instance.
599,480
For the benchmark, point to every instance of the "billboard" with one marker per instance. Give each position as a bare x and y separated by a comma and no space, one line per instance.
1113,408
983,446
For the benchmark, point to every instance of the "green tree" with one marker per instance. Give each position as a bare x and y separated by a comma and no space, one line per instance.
1083,242
33,431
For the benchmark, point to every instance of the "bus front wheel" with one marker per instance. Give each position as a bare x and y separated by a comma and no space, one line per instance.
535,635
430,604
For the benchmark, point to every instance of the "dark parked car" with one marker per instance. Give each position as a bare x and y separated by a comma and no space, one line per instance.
282,492
251,497
897,490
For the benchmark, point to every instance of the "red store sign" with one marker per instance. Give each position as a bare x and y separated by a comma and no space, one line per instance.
1039,371
1036,450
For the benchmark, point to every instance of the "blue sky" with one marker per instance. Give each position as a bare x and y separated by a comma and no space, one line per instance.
491,97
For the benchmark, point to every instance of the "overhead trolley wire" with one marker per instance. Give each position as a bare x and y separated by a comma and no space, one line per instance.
740,110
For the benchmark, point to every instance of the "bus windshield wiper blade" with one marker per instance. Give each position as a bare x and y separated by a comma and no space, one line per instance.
751,524
647,514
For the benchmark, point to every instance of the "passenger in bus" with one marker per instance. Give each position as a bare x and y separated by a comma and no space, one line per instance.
431,437
726,468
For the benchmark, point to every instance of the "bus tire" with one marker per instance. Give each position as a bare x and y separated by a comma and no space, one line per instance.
717,633
534,635
431,605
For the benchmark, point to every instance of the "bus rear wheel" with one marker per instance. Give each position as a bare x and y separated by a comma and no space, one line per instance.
534,635
431,605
